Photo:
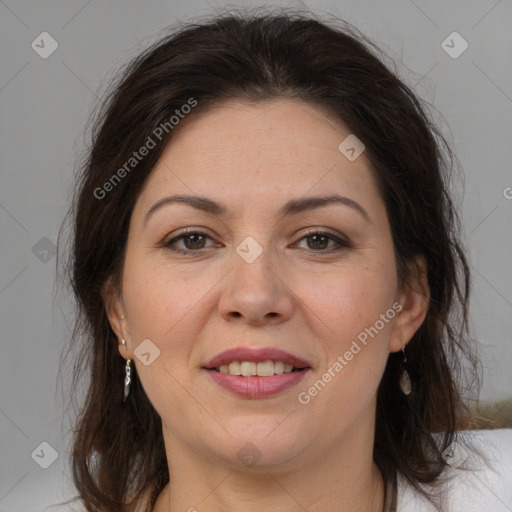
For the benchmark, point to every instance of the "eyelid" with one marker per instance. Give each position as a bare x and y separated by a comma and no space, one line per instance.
341,241
325,231
194,230
184,233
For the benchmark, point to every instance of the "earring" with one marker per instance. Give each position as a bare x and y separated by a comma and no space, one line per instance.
127,378
405,380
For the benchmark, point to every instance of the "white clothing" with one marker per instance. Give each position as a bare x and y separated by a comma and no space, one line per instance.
485,488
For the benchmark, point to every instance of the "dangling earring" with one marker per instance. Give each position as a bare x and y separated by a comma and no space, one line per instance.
405,380
127,379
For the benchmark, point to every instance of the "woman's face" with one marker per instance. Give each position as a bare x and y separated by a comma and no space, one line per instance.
272,268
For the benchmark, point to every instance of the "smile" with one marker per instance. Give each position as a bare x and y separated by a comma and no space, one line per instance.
262,369
256,372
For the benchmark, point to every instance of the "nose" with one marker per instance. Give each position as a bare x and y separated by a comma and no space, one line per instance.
256,293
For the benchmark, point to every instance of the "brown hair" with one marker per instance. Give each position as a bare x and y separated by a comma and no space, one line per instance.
118,451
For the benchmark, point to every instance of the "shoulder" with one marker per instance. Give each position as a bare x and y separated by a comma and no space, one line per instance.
479,477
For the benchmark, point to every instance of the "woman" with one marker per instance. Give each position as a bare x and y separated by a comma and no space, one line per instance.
271,287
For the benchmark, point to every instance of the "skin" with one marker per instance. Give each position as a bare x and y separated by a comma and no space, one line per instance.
298,296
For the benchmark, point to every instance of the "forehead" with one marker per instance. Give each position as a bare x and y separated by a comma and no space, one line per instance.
266,149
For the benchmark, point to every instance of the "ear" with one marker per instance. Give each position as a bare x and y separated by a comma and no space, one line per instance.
414,298
114,307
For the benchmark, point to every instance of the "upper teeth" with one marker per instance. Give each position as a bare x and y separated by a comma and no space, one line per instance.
250,368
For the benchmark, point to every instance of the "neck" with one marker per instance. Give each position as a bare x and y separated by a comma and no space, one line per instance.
341,476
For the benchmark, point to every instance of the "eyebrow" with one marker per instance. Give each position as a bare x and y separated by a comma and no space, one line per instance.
292,207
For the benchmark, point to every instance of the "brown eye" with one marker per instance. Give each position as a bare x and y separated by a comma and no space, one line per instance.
195,241
191,242
318,241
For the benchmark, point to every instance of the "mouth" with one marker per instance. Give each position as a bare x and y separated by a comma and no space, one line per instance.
256,373
252,369
249,362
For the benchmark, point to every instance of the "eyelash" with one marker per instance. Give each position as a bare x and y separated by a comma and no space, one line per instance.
342,244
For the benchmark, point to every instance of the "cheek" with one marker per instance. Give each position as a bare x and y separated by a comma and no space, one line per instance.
165,307
347,300
352,316
162,306
162,299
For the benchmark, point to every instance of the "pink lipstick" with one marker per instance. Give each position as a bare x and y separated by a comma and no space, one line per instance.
277,371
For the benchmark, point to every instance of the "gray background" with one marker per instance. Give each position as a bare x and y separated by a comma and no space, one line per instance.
45,104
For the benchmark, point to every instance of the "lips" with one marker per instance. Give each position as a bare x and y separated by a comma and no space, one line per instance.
254,387
257,356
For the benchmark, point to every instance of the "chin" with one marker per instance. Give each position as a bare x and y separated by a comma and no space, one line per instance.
264,444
